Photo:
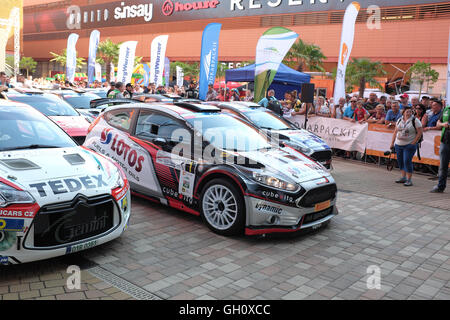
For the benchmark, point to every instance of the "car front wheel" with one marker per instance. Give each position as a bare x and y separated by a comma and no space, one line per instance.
223,207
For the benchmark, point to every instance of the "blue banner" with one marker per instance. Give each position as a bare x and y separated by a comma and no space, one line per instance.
11,224
146,74
166,71
71,57
93,45
209,57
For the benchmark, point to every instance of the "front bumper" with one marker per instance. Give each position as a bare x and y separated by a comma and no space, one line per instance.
24,249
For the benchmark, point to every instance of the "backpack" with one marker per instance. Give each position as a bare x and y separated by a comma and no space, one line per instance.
275,106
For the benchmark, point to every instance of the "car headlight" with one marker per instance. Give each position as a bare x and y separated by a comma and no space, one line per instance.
275,182
10,195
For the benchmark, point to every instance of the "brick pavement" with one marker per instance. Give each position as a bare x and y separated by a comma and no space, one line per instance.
173,255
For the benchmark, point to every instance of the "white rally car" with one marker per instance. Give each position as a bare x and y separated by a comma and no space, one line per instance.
55,197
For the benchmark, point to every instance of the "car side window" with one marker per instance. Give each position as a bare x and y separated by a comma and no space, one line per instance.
120,119
152,125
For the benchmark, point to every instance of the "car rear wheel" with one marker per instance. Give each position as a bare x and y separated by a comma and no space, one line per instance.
222,207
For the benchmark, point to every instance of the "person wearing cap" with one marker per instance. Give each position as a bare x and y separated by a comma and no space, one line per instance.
434,116
211,95
111,88
444,150
119,88
235,95
404,98
128,93
192,92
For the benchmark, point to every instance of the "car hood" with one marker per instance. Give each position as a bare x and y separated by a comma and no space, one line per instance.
304,138
60,172
286,162
75,126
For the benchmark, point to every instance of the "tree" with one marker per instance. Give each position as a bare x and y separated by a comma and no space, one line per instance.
191,70
25,63
108,52
422,73
305,57
361,71
62,58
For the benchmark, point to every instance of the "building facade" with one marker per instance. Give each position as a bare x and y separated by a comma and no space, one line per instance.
396,32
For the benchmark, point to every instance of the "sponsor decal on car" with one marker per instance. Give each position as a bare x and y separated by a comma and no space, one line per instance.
69,185
3,260
122,149
124,203
11,225
19,213
267,208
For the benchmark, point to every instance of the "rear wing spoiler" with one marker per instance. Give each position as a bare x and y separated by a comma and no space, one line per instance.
106,102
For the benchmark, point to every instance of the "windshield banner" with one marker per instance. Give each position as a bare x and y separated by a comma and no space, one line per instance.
208,57
126,61
93,45
158,53
71,57
270,51
347,37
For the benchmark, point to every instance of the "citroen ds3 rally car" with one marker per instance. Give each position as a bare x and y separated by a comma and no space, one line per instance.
55,197
299,139
197,159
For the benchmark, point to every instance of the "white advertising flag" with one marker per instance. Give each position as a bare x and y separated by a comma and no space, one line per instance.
112,74
180,76
98,72
347,37
126,61
158,53
71,57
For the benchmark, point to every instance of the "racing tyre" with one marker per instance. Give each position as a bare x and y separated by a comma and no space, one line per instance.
222,207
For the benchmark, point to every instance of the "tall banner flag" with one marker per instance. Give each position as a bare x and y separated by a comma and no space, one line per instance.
98,72
347,37
112,75
93,45
166,71
126,61
158,52
71,57
146,74
270,51
180,76
208,58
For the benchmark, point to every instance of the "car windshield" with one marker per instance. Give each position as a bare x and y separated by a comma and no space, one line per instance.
48,104
267,120
229,133
80,101
21,128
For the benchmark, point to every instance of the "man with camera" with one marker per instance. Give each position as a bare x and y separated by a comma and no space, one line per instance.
444,152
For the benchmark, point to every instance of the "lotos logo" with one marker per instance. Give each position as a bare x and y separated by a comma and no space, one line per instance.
169,7
344,53
106,136
121,148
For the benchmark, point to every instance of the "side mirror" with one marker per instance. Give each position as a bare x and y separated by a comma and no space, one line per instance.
160,141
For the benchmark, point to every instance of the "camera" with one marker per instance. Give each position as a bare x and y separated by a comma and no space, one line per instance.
388,153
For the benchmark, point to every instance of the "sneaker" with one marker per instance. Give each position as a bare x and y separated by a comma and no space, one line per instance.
401,180
408,183
436,190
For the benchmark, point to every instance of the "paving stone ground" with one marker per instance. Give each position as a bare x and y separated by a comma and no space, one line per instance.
402,232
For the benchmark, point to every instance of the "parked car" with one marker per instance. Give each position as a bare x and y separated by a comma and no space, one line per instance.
55,108
55,197
79,100
300,139
211,164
